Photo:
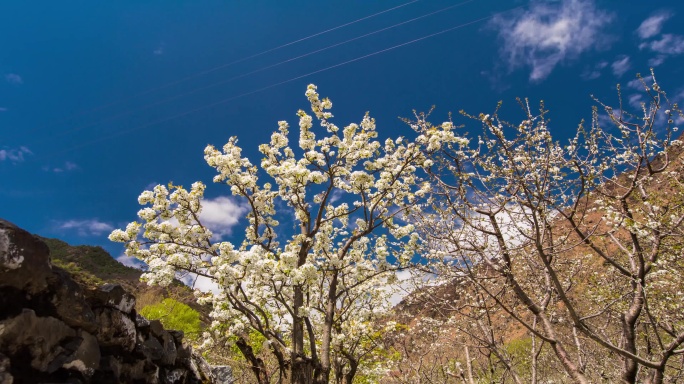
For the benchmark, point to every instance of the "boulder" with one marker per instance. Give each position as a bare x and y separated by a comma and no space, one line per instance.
174,376
69,301
151,348
170,351
86,359
116,331
113,296
5,376
24,259
223,374
45,341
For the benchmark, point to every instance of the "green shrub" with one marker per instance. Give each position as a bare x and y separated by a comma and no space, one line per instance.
174,315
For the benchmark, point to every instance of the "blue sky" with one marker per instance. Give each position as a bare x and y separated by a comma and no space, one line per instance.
100,100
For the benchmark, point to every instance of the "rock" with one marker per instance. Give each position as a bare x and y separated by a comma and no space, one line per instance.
170,352
139,371
177,336
24,259
184,350
141,322
47,341
152,349
86,358
156,328
223,374
202,368
5,376
176,376
109,371
113,296
116,330
69,301
52,330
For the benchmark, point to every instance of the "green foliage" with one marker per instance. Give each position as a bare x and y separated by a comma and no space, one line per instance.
78,273
94,260
174,315
519,352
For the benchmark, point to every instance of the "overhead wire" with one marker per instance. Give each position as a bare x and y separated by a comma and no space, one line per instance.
223,101
222,66
222,82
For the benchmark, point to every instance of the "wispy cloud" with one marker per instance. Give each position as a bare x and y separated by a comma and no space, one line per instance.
13,78
621,65
635,100
656,61
3,109
595,71
668,44
87,227
68,166
652,25
159,50
549,34
14,155
640,84
663,45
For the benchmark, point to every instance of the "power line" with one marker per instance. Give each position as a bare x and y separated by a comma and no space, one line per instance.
119,133
214,69
161,102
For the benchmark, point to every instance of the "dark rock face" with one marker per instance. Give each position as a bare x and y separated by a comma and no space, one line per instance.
53,330
19,248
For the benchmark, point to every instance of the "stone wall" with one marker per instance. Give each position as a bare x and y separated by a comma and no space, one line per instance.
52,330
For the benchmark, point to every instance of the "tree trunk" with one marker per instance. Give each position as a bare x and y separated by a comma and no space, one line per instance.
301,369
257,365
469,365
353,367
629,320
323,374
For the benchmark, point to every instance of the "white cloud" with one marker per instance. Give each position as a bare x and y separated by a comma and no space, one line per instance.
3,109
668,44
549,34
652,26
336,195
656,61
405,287
664,45
640,84
635,100
202,283
221,214
13,78
131,262
14,155
88,227
621,65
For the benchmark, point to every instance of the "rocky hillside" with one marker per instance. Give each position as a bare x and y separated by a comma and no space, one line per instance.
55,328
92,266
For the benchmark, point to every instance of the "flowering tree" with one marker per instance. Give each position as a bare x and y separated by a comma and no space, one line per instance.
580,245
302,291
